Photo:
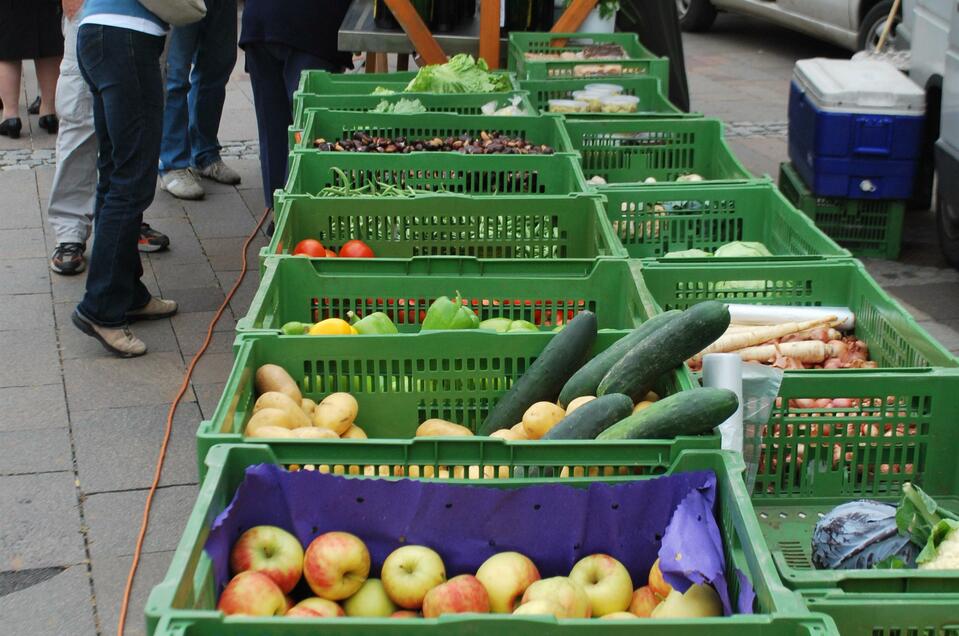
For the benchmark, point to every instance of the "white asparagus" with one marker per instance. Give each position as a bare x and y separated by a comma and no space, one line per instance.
759,335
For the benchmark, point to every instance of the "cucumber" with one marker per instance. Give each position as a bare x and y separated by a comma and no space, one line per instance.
694,412
672,344
564,354
587,379
592,418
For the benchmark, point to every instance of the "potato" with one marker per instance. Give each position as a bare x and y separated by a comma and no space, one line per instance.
277,400
461,472
489,472
271,431
519,431
642,405
336,412
652,396
268,417
441,428
311,432
578,402
541,417
271,377
354,432
308,406
505,433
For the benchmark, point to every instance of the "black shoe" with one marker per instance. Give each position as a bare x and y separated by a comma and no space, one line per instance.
151,240
11,127
49,123
34,107
68,259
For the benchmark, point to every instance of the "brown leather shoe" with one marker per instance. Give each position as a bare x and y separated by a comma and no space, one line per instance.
156,309
119,341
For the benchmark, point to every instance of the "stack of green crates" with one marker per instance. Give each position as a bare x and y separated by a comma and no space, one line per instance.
529,238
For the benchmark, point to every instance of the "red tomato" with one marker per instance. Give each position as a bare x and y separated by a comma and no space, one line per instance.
310,247
356,249
330,254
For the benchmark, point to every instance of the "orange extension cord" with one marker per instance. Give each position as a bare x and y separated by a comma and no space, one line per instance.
145,523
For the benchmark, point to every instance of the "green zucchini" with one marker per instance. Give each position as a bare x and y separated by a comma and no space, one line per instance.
592,418
564,354
587,379
672,344
694,412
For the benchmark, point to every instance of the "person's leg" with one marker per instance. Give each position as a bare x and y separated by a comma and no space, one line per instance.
214,62
122,67
10,71
175,148
73,191
271,103
48,70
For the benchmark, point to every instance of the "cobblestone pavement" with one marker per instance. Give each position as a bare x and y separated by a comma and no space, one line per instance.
80,429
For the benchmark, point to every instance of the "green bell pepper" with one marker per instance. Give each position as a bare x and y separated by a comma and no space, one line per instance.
294,328
507,325
450,314
376,323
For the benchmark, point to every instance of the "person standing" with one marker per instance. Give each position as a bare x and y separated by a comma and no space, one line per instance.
119,43
73,191
29,31
280,40
200,58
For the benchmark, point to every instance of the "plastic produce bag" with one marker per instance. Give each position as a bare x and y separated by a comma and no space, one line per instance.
760,390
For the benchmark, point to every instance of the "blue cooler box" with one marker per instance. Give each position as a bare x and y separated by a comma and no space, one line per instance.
854,128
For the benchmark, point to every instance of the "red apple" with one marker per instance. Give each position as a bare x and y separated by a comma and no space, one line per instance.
506,576
459,595
316,607
252,594
606,581
410,572
272,551
405,614
568,595
657,583
644,602
335,565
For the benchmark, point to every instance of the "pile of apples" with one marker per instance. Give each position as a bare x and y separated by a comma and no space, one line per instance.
268,563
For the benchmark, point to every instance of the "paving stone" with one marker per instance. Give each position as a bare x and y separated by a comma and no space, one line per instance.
220,215
190,341
249,171
101,383
22,243
939,300
208,396
36,407
176,275
40,524
18,311
55,606
114,520
109,578
74,344
163,208
253,197
68,288
193,300
213,367
39,346
35,450
20,207
117,448
946,334
24,276
224,253
184,247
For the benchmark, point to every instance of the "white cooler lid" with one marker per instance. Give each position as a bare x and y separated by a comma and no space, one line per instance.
871,86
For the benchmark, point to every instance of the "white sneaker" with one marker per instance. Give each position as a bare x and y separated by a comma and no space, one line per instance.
182,184
220,172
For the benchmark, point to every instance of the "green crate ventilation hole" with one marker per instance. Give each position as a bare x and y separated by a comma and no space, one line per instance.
444,180
426,133
673,152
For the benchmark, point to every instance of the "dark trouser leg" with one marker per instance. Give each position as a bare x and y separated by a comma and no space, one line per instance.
214,61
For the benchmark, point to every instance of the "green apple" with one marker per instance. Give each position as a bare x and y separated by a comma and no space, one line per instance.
539,607
410,572
506,576
568,595
370,600
606,581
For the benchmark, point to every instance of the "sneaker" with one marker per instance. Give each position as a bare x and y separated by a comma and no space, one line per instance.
151,240
68,259
182,184
220,172
155,309
117,340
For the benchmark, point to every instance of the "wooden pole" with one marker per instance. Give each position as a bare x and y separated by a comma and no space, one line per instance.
489,32
573,17
418,33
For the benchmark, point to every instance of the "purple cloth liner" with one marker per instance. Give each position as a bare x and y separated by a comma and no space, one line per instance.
553,524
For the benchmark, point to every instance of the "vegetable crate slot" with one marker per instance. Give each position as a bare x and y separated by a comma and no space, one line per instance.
636,150
544,293
502,133
545,227
543,56
400,381
184,603
652,102
347,173
867,227
463,104
653,221
326,83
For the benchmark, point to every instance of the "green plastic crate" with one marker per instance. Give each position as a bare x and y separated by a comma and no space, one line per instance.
632,150
326,83
188,593
546,293
402,380
557,174
335,125
651,221
652,102
889,614
545,227
866,227
640,60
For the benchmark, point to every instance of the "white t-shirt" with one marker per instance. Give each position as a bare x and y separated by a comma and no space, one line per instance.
125,22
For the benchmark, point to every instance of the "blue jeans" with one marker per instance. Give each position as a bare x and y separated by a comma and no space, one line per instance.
274,76
194,100
122,68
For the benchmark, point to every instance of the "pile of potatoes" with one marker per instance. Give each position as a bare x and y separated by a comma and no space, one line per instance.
281,411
